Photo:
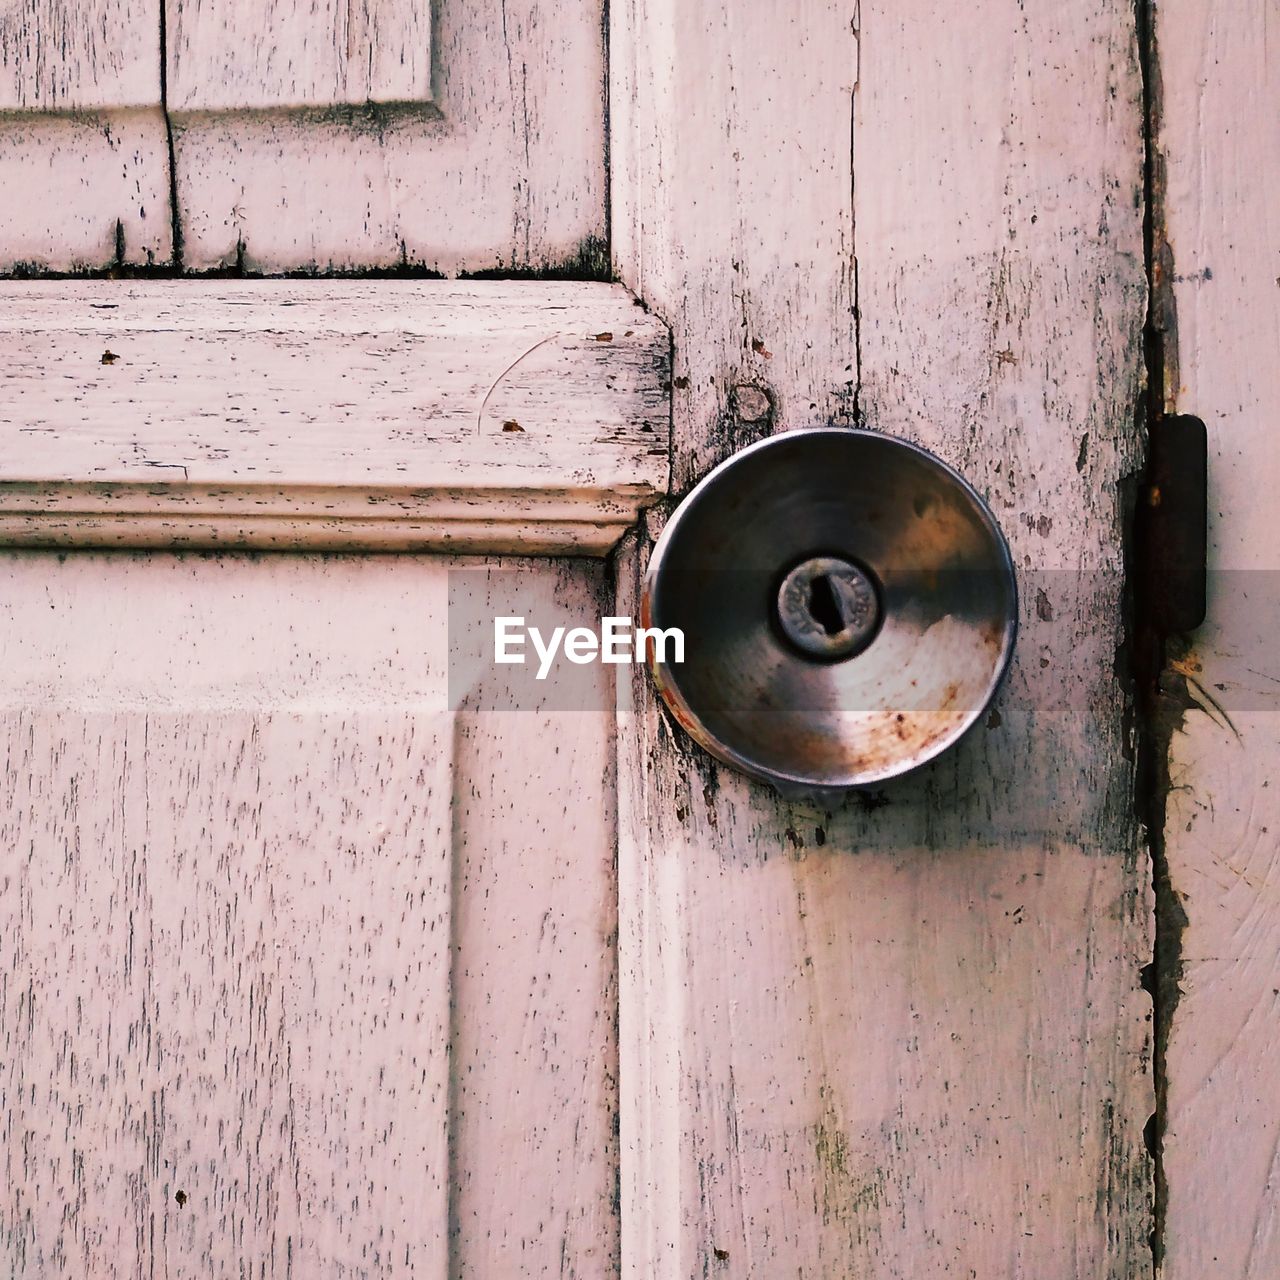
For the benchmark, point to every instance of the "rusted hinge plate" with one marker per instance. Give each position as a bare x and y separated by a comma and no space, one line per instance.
1172,526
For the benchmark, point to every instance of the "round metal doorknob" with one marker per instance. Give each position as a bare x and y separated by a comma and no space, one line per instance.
848,605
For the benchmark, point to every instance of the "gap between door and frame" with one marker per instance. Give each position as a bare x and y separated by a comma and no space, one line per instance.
1161,698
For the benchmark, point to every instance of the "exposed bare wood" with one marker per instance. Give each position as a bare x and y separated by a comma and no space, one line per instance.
381,415
900,1034
1220,141
496,161
262,889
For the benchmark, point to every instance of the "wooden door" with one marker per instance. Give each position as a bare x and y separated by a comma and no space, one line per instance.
314,969
902,1035
308,926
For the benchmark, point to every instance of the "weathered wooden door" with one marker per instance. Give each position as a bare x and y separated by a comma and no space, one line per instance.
308,927
318,964
904,1035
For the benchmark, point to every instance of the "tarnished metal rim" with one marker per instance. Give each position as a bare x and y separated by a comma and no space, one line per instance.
666,681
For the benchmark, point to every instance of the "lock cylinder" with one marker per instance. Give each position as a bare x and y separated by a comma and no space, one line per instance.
848,604
828,607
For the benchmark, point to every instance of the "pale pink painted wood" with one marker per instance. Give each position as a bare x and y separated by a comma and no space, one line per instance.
454,136
899,1035
481,416
79,55
306,973
228,993
224,55
488,150
903,1034
1220,141
83,151
534,1048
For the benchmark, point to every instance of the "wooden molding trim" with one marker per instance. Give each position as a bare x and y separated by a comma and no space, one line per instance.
386,415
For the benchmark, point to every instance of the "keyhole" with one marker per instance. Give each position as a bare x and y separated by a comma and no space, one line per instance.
824,606
828,607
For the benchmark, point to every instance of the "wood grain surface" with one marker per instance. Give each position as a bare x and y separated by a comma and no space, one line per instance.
395,134
343,415
489,154
1220,144
286,54
79,55
83,150
900,1034
305,971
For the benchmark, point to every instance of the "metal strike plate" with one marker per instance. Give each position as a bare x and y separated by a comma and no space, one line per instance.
848,604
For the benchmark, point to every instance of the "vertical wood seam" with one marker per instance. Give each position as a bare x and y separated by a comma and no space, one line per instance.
606,82
1161,695
175,214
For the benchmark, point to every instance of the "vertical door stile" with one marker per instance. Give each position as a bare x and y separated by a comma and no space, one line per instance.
902,1033
533,1042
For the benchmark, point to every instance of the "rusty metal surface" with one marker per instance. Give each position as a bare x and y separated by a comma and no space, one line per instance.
942,572
1170,579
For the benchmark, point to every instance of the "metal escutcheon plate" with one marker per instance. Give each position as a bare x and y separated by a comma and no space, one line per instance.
848,604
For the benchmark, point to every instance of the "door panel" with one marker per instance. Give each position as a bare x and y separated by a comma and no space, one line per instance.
899,1033
466,138
442,136
229,998
305,973
82,136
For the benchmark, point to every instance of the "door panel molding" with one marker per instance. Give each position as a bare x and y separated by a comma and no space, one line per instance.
382,415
